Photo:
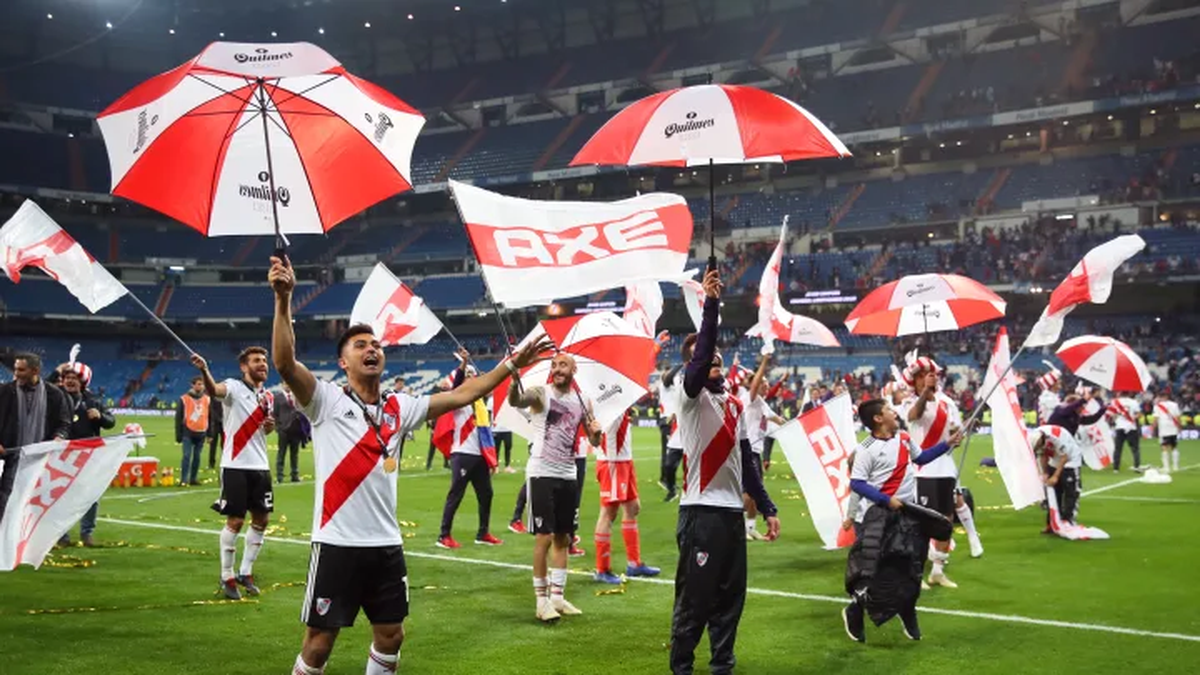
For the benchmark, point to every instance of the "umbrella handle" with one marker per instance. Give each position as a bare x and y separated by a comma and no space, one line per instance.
712,263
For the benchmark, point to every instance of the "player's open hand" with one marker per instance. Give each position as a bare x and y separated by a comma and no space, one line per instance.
772,528
282,279
533,352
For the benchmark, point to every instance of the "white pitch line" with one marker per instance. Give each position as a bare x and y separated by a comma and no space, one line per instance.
184,493
1004,618
1131,481
1161,500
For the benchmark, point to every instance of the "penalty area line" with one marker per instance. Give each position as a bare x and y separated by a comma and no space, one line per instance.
1131,481
987,616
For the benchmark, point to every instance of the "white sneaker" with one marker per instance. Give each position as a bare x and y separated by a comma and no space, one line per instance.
754,535
564,608
976,548
941,580
924,585
546,612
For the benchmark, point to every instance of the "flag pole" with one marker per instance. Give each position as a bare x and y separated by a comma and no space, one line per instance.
983,401
160,322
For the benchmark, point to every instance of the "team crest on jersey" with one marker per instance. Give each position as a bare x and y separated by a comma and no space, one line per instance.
389,420
701,558
323,606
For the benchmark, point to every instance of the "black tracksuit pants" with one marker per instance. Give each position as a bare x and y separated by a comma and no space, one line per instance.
710,586
664,433
472,469
1134,439
503,441
674,458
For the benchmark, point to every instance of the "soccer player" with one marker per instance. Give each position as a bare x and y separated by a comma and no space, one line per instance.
245,469
932,418
1166,419
467,465
618,492
1051,384
357,559
671,392
757,414
710,581
1060,457
884,583
557,412
1124,410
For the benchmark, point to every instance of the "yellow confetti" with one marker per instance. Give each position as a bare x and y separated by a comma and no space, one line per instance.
283,518
82,610
619,590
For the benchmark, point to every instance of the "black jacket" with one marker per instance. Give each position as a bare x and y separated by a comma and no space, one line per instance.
290,422
58,420
81,426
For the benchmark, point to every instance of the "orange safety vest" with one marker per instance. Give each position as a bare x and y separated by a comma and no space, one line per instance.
195,413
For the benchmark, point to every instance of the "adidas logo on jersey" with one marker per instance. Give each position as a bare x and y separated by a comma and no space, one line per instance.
349,415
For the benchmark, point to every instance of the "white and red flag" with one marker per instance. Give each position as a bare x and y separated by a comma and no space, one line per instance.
531,252
56,483
643,306
818,445
768,293
32,239
1067,529
1010,440
1096,440
398,316
693,299
796,329
1090,281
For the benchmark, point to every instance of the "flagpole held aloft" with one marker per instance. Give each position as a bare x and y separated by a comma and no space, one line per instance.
133,296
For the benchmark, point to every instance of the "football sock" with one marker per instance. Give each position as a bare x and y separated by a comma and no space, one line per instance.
603,543
250,550
381,664
540,588
558,582
633,542
1166,460
302,668
939,558
967,519
1175,458
228,552
750,525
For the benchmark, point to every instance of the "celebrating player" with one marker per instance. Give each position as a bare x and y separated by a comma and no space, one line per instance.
757,414
556,412
245,469
1123,411
357,559
1166,420
1060,457
618,491
710,582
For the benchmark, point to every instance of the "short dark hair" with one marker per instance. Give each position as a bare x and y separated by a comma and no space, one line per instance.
689,345
246,353
197,378
351,332
867,411
32,360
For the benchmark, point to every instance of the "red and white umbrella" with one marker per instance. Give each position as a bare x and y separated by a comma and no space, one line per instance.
924,303
251,139
710,124
1105,362
614,361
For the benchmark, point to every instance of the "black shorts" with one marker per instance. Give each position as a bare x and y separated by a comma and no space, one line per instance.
937,494
244,490
1172,441
552,505
344,579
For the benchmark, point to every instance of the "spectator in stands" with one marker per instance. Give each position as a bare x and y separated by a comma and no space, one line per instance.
191,428
293,431
31,411
88,419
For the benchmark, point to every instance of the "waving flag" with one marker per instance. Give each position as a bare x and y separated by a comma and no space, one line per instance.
643,306
1014,455
768,293
56,483
1096,440
818,445
32,239
398,316
531,252
1090,281
796,329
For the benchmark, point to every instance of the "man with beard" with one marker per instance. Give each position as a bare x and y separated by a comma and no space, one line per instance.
88,419
31,411
245,469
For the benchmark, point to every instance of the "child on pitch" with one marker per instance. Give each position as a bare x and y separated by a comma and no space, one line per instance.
618,492
1167,421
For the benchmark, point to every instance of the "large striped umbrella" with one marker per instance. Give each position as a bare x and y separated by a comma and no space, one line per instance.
924,303
1106,362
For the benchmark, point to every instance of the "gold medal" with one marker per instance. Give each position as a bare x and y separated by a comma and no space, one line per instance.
389,465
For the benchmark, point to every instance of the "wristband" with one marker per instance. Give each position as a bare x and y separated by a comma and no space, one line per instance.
512,368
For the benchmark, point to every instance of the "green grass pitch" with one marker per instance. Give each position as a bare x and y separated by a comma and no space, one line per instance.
145,603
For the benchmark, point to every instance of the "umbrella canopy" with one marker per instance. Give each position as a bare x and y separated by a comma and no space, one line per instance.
614,361
251,139
924,303
710,123
1105,362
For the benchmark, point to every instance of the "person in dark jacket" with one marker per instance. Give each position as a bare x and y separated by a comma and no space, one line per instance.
216,431
31,411
89,418
293,429
1070,415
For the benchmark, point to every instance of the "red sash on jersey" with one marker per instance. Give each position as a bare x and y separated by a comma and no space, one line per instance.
1123,412
354,468
714,455
1163,408
892,484
245,432
937,428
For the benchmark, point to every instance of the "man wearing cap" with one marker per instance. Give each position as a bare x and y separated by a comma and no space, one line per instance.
88,419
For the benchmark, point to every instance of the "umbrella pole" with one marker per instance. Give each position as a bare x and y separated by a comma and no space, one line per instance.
712,216
160,322
280,242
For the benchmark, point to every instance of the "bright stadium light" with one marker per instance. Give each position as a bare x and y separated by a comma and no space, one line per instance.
457,8
176,268
367,24
220,35
108,25
274,34
171,31
410,17
49,16
321,31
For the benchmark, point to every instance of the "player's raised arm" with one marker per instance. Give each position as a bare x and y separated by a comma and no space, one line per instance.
477,387
211,387
283,336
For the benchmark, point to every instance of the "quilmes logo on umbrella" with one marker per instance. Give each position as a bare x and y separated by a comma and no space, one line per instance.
142,132
261,55
382,124
263,190
692,124
608,392
920,289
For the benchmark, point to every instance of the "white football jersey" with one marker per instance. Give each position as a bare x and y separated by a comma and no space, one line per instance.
887,466
466,438
1167,415
555,434
1059,444
617,445
756,413
1125,413
711,427
355,501
1046,404
940,419
244,412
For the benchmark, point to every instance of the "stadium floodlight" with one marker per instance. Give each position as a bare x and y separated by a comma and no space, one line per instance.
274,34
171,31
457,8
222,34
320,31
108,25
49,16
367,24
176,268
410,17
